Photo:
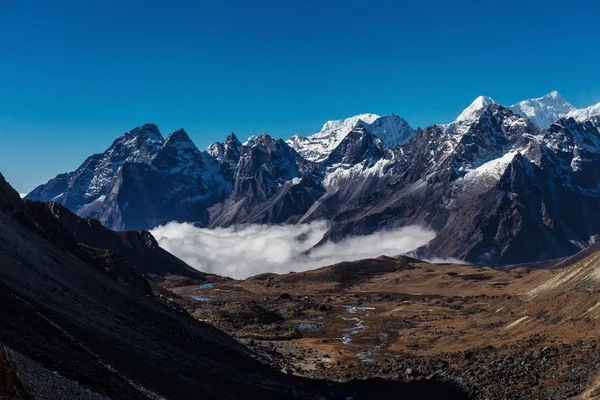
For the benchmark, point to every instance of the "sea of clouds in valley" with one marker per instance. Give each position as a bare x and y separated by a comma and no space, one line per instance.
243,251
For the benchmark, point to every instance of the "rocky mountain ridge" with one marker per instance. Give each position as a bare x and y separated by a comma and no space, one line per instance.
495,186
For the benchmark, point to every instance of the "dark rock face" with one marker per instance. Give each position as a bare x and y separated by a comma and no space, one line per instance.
495,188
228,152
273,184
97,174
538,208
11,386
9,198
138,248
357,147
76,309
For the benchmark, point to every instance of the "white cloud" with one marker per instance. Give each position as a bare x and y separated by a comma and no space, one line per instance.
448,260
243,251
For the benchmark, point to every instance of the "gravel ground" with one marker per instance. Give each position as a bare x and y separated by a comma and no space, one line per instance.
48,385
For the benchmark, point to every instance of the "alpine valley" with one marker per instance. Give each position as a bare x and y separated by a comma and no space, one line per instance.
500,185
92,307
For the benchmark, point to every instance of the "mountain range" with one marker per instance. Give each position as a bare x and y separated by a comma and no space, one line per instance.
500,185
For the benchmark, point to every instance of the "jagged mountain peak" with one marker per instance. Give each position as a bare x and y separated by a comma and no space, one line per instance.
359,132
481,118
228,151
147,131
554,95
178,145
542,111
232,138
137,145
262,138
358,146
477,104
269,142
180,139
180,135
318,146
487,134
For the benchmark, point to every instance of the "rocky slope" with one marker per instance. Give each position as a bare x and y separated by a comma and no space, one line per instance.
86,322
89,316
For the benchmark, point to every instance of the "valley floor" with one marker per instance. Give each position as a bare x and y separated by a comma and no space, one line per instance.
520,333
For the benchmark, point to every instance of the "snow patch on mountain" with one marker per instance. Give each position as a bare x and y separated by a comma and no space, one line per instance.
339,173
250,141
490,172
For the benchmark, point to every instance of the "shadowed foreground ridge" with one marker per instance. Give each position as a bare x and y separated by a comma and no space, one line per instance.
93,316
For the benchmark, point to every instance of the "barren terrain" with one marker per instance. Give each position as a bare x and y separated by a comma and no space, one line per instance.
520,332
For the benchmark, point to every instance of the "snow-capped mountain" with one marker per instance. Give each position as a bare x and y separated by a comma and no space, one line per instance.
391,129
583,114
497,188
141,180
543,111
97,174
477,104
469,113
316,147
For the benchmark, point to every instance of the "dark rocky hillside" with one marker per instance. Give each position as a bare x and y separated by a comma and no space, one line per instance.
91,315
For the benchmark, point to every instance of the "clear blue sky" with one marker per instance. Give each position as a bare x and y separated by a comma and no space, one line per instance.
75,74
